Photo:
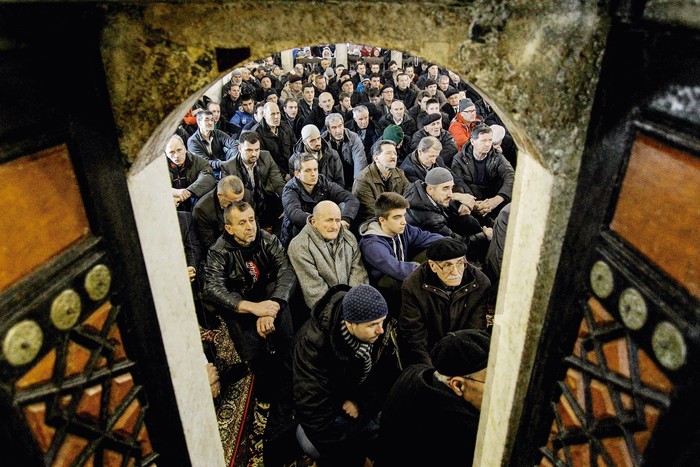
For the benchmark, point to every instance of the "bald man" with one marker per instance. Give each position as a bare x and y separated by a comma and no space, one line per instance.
190,175
317,116
325,254
275,138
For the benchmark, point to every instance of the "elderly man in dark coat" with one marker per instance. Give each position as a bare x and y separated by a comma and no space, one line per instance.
443,295
431,416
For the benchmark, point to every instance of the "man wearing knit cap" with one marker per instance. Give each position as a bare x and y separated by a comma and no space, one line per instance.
329,162
464,122
339,377
436,208
431,416
443,295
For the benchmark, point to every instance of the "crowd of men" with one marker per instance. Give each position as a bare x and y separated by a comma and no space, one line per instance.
347,225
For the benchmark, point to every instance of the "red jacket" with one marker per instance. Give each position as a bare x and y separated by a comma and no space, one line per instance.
460,130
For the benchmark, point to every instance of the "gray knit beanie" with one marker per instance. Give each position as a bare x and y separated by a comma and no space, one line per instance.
438,176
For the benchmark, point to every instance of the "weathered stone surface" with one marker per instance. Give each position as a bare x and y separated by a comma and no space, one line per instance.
538,61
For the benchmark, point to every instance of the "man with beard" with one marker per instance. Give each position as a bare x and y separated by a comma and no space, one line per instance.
432,126
275,138
329,163
348,145
261,177
380,176
464,122
485,174
436,208
340,376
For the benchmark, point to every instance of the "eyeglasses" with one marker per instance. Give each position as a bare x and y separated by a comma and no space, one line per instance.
460,265
472,379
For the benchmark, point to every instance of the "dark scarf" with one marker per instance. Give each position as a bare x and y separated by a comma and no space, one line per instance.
361,350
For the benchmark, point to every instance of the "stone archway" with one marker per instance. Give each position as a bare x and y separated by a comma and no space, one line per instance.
540,62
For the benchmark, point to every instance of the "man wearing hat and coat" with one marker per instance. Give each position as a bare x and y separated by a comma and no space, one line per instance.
431,416
431,125
444,294
339,378
464,122
436,208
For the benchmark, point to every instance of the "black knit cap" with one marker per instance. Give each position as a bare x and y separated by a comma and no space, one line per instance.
430,118
430,82
461,353
446,248
363,303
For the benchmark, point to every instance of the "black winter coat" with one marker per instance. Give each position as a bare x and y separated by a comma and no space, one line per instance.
424,423
330,164
227,280
428,312
499,176
426,214
449,147
299,203
280,145
326,374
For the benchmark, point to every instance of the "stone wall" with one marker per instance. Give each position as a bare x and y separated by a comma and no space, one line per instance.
537,61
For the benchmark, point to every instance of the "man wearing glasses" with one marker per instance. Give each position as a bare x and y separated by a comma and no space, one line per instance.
431,415
464,122
443,295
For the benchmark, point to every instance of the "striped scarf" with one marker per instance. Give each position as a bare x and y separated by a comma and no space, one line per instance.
362,350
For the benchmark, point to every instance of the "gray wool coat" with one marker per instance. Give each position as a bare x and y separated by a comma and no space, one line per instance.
317,270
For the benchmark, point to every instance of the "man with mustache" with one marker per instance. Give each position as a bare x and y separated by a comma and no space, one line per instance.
442,295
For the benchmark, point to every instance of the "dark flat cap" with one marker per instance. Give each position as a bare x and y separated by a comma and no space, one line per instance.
451,92
446,248
461,353
430,82
294,78
430,118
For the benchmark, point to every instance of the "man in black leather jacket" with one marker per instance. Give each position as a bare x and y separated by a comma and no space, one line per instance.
249,281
